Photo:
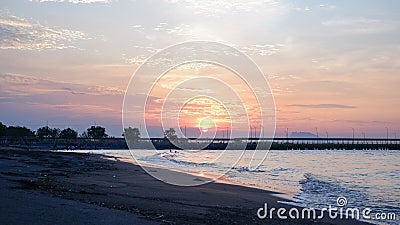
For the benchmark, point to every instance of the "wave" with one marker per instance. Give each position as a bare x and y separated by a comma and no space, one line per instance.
246,169
321,191
172,157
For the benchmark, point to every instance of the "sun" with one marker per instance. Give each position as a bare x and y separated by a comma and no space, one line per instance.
206,123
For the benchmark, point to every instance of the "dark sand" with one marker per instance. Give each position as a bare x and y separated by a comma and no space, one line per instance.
42,187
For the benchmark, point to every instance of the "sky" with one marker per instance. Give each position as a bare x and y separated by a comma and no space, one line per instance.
332,65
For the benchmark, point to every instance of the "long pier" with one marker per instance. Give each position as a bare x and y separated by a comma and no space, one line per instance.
290,143
209,143
332,143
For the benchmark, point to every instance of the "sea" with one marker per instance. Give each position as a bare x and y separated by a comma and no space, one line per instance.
306,178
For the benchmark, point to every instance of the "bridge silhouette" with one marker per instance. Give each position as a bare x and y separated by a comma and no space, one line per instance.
208,143
286,143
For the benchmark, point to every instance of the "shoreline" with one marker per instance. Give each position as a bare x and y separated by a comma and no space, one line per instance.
287,198
106,181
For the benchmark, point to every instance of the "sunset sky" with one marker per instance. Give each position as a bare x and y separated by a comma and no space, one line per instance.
332,65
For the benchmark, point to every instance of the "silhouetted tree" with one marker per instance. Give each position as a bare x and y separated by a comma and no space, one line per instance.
68,134
47,132
170,134
18,131
96,132
132,134
3,129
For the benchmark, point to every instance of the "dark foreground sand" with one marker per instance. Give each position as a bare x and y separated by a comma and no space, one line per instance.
41,187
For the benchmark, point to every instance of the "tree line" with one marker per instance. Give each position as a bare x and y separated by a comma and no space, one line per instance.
95,132
134,133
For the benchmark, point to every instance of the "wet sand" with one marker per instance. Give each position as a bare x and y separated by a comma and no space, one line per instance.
42,187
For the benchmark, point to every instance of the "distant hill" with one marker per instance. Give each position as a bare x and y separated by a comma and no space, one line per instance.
302,135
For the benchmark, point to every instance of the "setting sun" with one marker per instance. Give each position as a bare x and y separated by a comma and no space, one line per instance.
204,113
206,124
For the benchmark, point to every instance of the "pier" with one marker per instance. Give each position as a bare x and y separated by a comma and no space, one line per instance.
208,143
330,143
289,143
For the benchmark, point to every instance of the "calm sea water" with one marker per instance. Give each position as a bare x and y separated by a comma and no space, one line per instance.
310,178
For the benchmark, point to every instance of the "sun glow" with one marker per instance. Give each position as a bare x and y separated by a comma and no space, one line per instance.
205,114
206,124
202,100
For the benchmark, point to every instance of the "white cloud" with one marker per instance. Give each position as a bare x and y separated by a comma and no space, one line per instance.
13,85
218,7
261,50
137,60
194,32
182,30
74,1
252,50
359,25
328,6
20,33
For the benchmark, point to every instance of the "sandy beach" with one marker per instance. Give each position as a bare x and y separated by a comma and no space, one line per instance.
43,187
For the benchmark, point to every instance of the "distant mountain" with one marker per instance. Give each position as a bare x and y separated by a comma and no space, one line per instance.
302,135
